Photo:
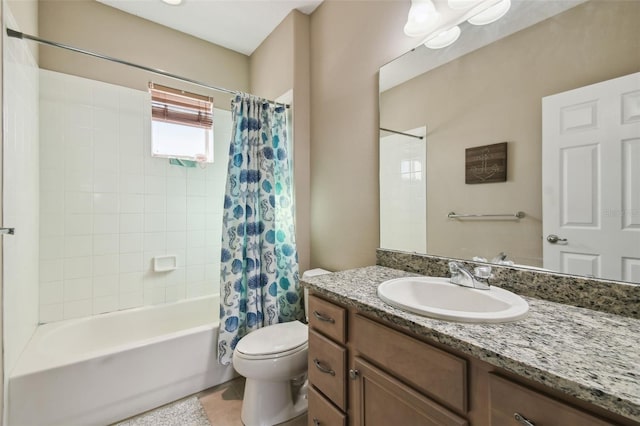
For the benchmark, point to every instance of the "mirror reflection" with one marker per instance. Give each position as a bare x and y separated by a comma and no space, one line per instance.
553,87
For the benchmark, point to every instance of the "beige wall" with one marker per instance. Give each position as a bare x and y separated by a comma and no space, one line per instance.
93,26
350,41
280,64
494,95
25,12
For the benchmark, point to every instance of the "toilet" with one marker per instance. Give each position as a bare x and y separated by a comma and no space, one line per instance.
273,361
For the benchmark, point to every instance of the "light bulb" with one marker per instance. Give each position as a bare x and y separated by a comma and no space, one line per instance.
491,14
444,39
422,16
462,4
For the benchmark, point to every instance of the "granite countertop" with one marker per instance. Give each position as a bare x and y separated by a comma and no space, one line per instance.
591,355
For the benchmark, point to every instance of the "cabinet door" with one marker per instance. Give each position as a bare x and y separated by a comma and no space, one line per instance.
515,405
381,400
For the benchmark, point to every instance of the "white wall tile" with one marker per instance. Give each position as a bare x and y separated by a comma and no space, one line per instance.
131,183
51,293
105,203
105,304
105,244
131,243
50,313
130,262
78,202
51,270
77,308
77,245
105,181
106,265
77,267
105,224
130,282
107,207
131,223
130,300
51,247
77,289
106,285
155,241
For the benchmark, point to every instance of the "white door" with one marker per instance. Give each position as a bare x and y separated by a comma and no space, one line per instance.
591,180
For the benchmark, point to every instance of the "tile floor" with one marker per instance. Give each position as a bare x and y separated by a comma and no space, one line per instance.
218,406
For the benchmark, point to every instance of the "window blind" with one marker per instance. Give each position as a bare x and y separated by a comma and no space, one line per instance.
177,106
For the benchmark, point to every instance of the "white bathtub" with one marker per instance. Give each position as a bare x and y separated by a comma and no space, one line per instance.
98,370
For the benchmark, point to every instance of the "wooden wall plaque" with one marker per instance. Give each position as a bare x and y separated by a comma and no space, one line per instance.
485,164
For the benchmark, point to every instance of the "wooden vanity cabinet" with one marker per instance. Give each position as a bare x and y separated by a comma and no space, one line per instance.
363,372
327,365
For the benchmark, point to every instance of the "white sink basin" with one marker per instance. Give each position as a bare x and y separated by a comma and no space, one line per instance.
438,298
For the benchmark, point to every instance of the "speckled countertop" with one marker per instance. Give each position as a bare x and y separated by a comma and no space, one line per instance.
591,355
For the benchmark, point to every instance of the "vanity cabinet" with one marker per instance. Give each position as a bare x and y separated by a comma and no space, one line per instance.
364,372
327,366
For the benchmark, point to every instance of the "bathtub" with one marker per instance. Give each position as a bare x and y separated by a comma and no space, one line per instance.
98,370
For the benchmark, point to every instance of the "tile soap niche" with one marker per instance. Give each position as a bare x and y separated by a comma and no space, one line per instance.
165,263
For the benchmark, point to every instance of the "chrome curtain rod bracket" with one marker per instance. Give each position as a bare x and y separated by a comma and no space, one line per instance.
517,215
401,133
23,36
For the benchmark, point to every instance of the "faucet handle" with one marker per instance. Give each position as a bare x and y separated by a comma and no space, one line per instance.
482,272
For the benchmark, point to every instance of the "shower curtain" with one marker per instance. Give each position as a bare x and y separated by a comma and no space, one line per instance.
259,282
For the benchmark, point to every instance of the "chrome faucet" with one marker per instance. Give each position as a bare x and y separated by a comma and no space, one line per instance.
478,279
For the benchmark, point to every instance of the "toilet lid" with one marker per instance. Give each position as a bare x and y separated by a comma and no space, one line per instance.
274,339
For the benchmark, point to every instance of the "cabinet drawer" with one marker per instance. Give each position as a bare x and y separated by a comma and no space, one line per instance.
322,412
508,399
438,374
327,318
327,366
382,400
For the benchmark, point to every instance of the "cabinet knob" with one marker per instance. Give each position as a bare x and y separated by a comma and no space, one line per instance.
522,420
354,374
316,422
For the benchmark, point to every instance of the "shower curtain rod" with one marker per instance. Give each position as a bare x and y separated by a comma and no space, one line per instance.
401,133
20,35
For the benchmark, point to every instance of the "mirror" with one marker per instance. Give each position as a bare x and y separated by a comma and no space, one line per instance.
485,89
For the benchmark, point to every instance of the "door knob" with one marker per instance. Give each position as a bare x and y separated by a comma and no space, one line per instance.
554,239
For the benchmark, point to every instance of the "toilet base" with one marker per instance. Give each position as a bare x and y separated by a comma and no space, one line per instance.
269,403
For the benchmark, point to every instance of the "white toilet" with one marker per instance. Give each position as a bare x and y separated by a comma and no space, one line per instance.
273,360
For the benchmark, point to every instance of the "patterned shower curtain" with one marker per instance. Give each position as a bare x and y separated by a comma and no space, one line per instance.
259,283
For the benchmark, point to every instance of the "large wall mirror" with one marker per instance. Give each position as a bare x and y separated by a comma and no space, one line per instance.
559,82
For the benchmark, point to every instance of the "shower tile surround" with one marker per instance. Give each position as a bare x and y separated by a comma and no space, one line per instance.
584,353
107,208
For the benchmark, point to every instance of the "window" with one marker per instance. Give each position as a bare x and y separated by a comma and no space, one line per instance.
181,124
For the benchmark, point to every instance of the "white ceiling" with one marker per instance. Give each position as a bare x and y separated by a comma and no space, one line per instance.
239,25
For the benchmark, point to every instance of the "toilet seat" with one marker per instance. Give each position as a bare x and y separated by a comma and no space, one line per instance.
274,341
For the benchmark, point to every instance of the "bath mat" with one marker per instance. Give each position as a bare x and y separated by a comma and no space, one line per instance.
188,412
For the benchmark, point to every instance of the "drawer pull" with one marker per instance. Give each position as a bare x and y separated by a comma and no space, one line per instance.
522,420
316,422
354,374
321,317
323,368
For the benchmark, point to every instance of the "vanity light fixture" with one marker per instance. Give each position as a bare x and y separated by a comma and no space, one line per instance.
437,22
492,14
172,2
444,39
422,18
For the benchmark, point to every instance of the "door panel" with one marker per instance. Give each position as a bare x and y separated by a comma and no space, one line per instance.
591,180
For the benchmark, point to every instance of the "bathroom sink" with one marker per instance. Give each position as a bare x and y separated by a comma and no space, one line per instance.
437,297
